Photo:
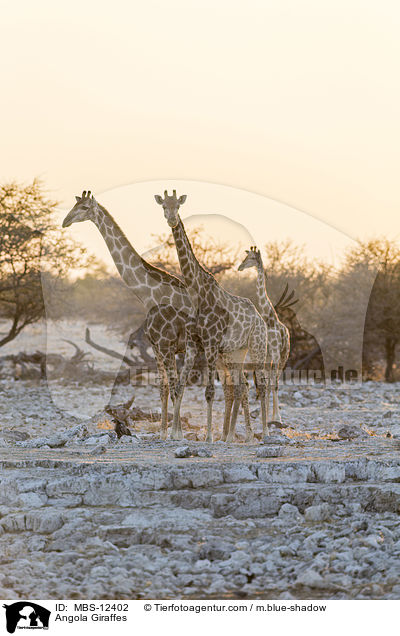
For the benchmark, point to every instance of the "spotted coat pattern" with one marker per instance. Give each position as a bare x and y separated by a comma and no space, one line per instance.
278,334
225,324
164,296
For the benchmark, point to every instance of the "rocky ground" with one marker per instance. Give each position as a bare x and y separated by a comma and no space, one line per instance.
311,513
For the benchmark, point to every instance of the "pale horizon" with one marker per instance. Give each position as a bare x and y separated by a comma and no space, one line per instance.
296,102
235,217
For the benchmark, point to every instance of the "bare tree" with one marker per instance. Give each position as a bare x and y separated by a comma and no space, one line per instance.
31,245
382,321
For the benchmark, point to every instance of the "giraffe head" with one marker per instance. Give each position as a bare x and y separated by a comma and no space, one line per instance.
252,259
84,209
171,205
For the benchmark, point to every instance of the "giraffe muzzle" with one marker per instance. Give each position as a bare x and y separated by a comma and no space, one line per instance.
67,221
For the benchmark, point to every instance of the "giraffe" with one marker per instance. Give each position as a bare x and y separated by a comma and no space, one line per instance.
278,334
164,296
225,324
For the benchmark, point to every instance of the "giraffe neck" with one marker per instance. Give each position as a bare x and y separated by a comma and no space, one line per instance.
267,309
150,284
200,283
126,258
193,273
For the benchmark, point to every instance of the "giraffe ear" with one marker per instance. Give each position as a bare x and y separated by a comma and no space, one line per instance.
182,199
158,199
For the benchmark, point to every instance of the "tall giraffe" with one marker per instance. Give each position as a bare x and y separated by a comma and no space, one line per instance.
164,296
225,324
278,334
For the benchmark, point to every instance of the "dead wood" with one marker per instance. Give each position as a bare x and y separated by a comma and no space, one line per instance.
127,414
110,352
121,429
55,365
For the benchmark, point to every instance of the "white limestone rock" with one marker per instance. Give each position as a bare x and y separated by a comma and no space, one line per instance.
327,472
183,452
57,440
277,439
270,451
27,500
288,511
234,474
310,578
351,432
318,513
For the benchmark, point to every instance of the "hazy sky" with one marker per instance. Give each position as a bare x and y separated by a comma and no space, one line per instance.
298,101
228,215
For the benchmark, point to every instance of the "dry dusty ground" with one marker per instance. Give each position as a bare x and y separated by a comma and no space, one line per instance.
83,515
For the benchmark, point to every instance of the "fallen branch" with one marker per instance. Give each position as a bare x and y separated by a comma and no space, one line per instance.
127,414
55,365
110,352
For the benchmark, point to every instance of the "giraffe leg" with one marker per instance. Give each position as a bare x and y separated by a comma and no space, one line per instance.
276,416
210,392
164,391
211,357
268,373
262,382
246,412
228,394
168,362
238,389
229,399
235,363
190,355
258,354
227,386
